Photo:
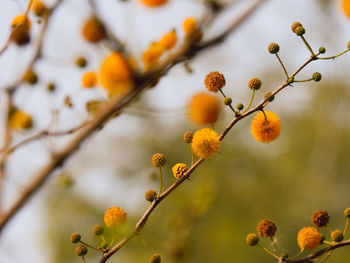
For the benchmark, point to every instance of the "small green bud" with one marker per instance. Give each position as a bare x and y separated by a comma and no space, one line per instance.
81,250
227,101
51,87
75,237
268,95
317,76
155,259
240,106
347,212
290,80
252,239
254,83
337,235
273,48
300,30
295,25
97,230
81,62
322,50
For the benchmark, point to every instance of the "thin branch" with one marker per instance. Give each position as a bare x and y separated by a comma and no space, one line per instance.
312,257
41,134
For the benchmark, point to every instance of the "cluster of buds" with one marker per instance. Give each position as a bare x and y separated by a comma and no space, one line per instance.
308,237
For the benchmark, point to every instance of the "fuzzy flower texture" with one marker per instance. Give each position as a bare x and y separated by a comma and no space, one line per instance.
308,238
114,216
205,143
266,129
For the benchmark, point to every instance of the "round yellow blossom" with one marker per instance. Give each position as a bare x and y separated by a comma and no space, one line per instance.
20,120
346,7
266,130
152,55
158,160
114,216
89,79
115,74
179,170
168,40
309,238
189,25
39,7
205,143
214,81
93,30
204,108
21,19
154,3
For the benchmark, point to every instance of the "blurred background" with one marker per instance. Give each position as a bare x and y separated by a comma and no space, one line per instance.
207,218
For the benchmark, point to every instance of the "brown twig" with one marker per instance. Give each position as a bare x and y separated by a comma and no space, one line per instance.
188,49
312,257
41,134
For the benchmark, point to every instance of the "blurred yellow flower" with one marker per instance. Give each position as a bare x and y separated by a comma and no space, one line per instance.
20,120
93,30
115,74
266,130
21,19
168,40
114,216
154,3
89,79
346,7
204,108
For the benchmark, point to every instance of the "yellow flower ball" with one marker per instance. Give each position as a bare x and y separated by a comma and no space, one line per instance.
154,3
152,55
39,7
20,120
179,170
168,40
21,19
89,79
346,7
114,216
93,30
205,143
266,130
189,25
309,238
204,108
115,74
